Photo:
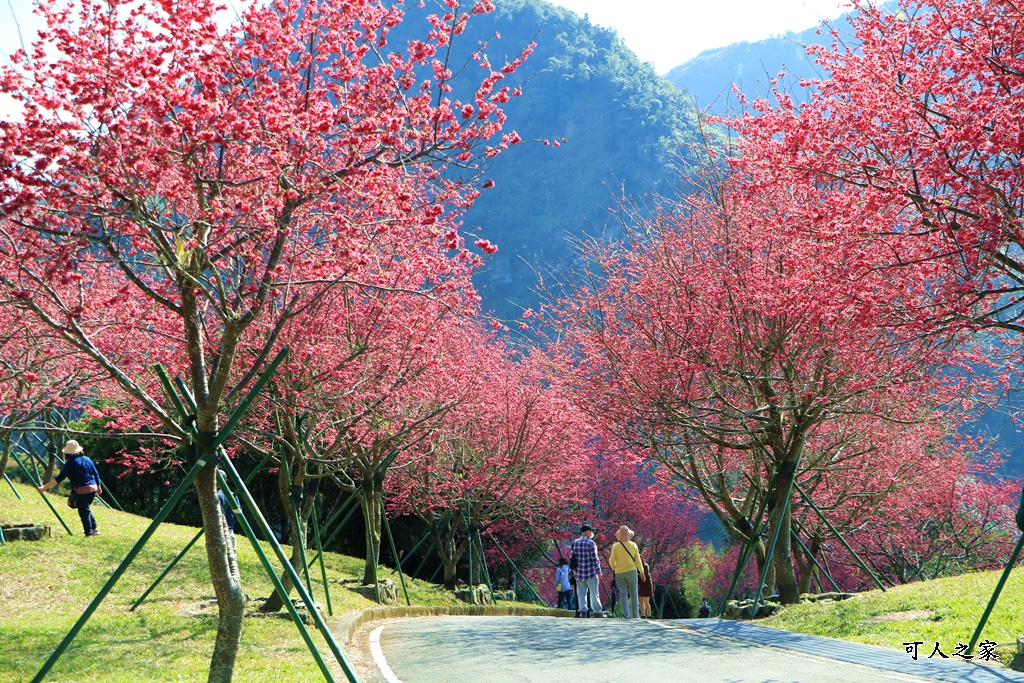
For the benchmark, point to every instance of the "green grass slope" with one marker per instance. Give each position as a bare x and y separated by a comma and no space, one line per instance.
944,611
45,586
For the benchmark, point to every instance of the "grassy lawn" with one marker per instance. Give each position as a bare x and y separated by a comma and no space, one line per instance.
945,611
45,586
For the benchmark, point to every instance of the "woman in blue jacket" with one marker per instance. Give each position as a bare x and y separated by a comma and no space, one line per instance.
85,483
562,584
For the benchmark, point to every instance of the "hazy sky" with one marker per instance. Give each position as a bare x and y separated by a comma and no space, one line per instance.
669,32
664,32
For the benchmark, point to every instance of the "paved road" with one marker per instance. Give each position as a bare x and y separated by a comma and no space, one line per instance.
546,649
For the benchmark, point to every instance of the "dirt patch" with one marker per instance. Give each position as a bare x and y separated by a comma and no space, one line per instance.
906,615
359,655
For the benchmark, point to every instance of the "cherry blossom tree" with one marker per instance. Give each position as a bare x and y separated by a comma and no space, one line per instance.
510,459
201,173
40,382
376,385
743,348
913,131
915,125
962,520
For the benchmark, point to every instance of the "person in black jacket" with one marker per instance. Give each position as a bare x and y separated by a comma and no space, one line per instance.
85,483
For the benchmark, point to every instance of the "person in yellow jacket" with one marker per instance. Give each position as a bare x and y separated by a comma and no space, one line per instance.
627,565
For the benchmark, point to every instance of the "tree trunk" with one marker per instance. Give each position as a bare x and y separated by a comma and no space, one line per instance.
475,578
5,454
51,465
444,544
227,582
371,496
274,601
808,570
782,561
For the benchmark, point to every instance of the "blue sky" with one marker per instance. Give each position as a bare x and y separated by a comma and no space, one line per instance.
663,32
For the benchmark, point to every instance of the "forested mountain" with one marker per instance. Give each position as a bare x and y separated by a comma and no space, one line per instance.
622,125
709,77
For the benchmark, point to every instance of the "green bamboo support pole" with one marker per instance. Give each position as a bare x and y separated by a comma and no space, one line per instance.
787,469
340,526
334,516
180,555
296,521
995,594
11,484
813,559
745,552
323,568
35,468
373,556
469,534
167,571
408,555
257,515
416,547
42,495
426,556
272,573
423,563
337,513
529,584
165,382
823,569
121,568
771,552
394,553
483,562
839,536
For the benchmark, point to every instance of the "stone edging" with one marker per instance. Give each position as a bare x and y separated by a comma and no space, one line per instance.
347,624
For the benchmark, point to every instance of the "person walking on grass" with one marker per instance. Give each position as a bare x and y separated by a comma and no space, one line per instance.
588,572
85,484
625,562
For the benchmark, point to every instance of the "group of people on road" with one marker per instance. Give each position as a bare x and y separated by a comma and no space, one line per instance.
577,579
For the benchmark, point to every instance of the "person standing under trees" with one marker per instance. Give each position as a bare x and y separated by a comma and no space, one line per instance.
588,572
705,610
229,515
645,591
625,562
613,598
85,483
562,584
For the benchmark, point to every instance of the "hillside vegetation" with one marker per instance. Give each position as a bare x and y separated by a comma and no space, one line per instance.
944,611
45,586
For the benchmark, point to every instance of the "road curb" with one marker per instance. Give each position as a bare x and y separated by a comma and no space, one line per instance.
348,624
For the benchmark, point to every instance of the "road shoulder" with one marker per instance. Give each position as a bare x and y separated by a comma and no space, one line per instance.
852,653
